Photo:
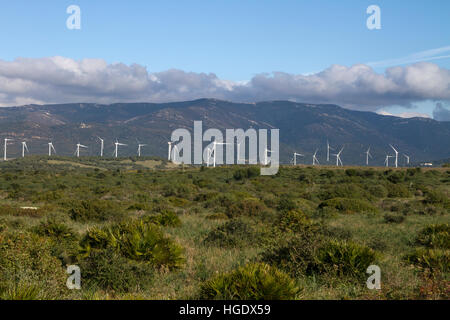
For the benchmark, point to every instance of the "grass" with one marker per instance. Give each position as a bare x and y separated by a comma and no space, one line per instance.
324,204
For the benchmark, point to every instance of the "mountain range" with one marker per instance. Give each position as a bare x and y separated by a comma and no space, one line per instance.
303,128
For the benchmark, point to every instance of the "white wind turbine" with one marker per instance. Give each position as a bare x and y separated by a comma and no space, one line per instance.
215,144
102,146
386,162
77,151
117,144
367,156
338,157
295,157
208,156
139,148
50,149
407,159
24,148
170,150
396,156
328,151
265,156
6,144
175,154
315,161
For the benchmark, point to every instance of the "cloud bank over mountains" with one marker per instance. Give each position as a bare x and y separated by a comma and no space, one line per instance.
63,80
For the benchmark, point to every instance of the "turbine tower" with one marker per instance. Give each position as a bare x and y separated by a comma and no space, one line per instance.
407,159
315,161
102,145
338,157
6,144
50,149
367,156
328,151
386,162
24,148
396,156
78,149
215,149
170,150
139,149
117,144
295,157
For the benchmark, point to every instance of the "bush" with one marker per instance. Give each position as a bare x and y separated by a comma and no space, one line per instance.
293,221
297,255
248,207
257,281
166,219
394,218
435,260
345,258
108,270
246,173
348,206
286,204
94,210
397,191
234,233
435,236
28,270
435,197
136,240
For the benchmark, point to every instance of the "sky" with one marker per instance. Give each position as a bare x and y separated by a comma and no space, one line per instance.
311,51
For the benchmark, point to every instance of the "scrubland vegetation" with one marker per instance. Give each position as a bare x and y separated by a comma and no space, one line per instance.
148,230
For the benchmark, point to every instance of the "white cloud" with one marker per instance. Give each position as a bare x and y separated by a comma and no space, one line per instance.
404,114
64,80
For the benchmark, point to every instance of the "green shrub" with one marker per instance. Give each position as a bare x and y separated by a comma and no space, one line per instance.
393,218
293,221
435,236
248,207
55,229
26,262
435,197
94,210
21,292
397,191
234,233
251,282
136,240
246,173
166,218
286,204
345,258
435,260
348,206
108,270
296,256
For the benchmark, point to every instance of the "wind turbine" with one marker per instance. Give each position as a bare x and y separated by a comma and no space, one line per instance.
367,156
338,157
50,149
295,157
139,148
175,153
24,147
170,150
315,161
396,156
102,145
215,149
208,153
328,151
265,156
6,143
386,162
407,158
78,149
117,144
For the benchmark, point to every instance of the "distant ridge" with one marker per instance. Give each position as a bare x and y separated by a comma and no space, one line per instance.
303,128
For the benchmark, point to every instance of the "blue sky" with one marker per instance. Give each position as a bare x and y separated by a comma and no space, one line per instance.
235,40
